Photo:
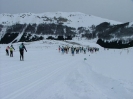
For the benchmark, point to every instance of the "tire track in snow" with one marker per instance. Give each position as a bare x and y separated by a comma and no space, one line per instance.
30,73
53,79
44,79
23,67
5,68
48,90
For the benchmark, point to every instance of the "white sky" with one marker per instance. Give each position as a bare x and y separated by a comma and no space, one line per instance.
119,10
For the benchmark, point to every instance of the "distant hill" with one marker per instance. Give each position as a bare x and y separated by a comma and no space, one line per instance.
27,27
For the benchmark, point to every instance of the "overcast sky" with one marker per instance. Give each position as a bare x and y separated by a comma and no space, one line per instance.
119,10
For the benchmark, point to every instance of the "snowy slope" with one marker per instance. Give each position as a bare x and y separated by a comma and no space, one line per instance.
48,74
74,19
2,32
131,24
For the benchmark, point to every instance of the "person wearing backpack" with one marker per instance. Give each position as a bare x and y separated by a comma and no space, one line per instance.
11,50
21,50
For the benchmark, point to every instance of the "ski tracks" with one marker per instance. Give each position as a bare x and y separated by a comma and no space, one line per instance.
46,73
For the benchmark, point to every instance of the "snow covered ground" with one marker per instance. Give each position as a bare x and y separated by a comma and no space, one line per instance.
45,73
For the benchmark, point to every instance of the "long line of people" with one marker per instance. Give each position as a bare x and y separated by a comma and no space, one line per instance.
77,50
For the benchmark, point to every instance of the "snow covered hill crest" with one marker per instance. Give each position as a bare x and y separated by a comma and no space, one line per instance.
72,19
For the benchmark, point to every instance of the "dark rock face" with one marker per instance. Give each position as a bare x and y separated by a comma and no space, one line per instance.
8,38
122,33
34,32
114,44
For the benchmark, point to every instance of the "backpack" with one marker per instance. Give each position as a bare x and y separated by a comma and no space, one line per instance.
11,49
21,47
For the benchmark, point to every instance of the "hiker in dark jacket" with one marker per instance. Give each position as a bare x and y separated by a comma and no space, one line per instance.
21,50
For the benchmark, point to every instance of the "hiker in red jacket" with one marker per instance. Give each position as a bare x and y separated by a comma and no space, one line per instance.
7,50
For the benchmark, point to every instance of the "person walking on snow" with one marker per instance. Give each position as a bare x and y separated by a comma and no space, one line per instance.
21,50
84,50
72,50
59,48
7,50
11,50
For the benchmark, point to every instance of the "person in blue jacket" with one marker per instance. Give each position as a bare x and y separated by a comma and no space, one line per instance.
21,50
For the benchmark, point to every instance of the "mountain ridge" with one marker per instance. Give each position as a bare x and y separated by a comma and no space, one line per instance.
72,19
28,27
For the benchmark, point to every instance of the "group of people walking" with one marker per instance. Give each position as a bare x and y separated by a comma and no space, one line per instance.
11,48
77,50
21,50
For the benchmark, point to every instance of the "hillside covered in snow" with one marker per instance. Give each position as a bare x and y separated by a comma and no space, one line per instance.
27,27
71,19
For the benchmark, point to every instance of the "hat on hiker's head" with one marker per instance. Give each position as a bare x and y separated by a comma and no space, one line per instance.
22,43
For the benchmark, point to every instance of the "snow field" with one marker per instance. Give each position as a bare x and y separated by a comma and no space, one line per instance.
46,73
